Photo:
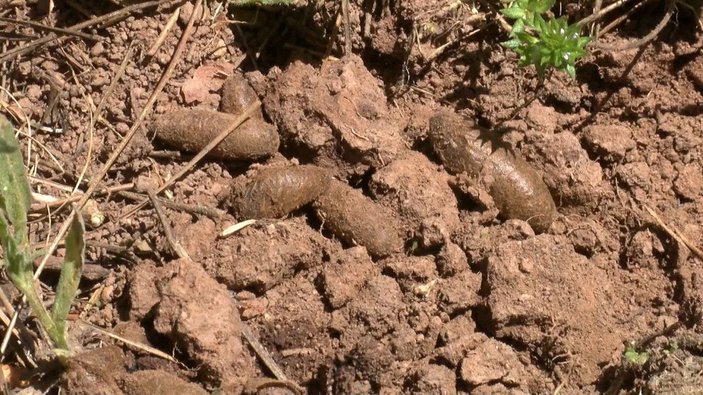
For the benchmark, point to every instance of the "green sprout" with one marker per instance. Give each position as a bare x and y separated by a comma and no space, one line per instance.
15,200
634,358
544,43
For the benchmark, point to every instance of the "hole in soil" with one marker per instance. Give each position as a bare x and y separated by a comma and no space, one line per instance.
293,33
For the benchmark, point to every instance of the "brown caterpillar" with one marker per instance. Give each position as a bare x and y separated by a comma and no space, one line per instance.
192,129
356,219
277,191
516,188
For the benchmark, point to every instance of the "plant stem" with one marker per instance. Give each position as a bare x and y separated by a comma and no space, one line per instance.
39,311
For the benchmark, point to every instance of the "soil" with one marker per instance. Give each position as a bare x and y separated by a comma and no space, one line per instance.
373,264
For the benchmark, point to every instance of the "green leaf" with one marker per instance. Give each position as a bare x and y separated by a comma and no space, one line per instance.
519,26
541,6
513,12
570,70
8,243
634,358
18,267
526,38
15,195
511,44
70,273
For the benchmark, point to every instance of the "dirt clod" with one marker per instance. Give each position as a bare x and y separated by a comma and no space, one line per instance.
419,192
610,142
573,178
201,318
345,274
151,382
262,256
540,280
337,114
414,282
95,372
492,362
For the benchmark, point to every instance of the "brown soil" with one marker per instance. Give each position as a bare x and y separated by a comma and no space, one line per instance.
381,260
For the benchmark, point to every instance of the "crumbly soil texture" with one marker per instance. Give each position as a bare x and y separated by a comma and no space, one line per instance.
376,262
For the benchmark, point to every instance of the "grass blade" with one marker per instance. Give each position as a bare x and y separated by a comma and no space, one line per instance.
15,195
70,274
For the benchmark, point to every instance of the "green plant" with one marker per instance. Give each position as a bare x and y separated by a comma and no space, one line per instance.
633,358
15,199
543,43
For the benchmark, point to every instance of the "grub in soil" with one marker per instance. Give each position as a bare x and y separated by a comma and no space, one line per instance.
337,113
357,220
516,188
238,95
192,129
200,317
275,192
419,192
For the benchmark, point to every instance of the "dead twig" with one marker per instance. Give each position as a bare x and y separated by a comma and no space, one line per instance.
138,346
347,28
45,205
670,7
602,12
256,385
97,179
164,33
210,212
54,29
611,92
621,18
673,232
172,241
263,354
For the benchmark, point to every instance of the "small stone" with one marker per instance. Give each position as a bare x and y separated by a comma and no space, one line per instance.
33,92
97,49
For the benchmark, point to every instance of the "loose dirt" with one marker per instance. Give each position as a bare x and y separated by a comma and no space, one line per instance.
379,261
